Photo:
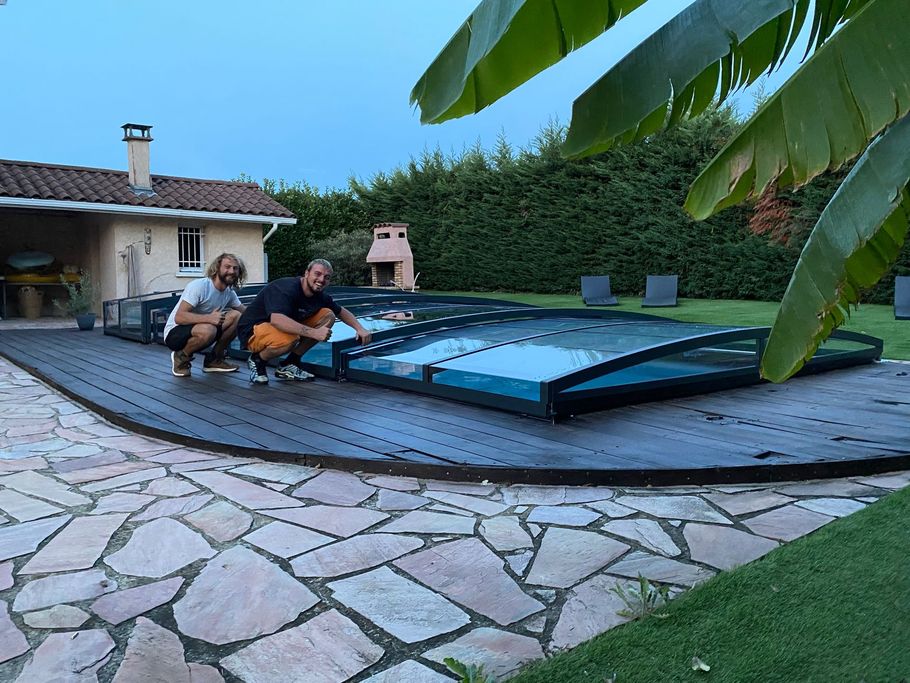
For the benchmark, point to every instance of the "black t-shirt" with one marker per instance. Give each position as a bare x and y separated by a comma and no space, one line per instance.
286,296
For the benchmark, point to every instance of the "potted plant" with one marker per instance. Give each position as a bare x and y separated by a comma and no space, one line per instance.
79,301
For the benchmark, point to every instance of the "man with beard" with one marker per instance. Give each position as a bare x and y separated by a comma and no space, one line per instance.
290,315
207,313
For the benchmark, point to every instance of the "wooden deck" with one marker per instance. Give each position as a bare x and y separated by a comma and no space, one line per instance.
839,423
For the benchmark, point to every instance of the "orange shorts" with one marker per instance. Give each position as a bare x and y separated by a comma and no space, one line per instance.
267,336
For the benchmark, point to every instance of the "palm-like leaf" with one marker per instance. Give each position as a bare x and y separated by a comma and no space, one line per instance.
503,44
856,240
826,113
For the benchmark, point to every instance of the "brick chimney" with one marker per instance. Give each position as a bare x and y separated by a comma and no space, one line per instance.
137,138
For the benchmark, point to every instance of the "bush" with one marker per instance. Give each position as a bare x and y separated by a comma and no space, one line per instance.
79,299
347,252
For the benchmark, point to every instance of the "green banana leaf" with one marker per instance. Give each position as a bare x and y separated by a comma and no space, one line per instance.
857,239
505,43
710,42
853,86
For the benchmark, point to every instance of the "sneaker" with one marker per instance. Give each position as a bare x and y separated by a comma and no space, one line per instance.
181,364
291,371
257,372
213,364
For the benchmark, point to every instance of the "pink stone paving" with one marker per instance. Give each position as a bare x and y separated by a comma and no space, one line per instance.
338,521
240,595
467,572
329,647
116,608
134,557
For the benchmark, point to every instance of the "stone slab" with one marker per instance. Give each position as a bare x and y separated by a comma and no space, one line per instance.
24,538
74,657
591,608
395,483
481,506
335,488
171,487
25,508
286,540
468,572
59,616
240,595
399,500
158,548
565,515
125,480
241,492
660,569
338,521
722,547
505,533
690,508
408,672
842,488
115,608
553,495
121,502
421,522
34,484
152,654
567,556
748,501
281,473
173,507
646,532
54,590
221,521
328,648
12,640
99,472
77,546
835,507
401,607
787,523
353,555
501,653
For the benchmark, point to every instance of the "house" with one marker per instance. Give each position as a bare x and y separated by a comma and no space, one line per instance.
135,232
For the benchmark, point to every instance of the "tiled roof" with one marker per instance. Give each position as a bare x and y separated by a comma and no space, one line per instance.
29,180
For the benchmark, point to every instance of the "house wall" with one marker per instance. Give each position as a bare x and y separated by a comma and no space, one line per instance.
97,242
157,271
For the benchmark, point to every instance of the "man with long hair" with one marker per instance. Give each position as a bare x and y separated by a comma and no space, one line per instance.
289,316
206,314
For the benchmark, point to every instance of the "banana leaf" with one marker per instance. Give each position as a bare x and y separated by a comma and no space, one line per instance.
505,43
851,88
856,240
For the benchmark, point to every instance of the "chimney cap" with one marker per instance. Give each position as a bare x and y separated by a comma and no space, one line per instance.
136,131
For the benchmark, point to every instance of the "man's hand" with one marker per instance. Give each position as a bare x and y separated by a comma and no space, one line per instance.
216,317
363,336
320,334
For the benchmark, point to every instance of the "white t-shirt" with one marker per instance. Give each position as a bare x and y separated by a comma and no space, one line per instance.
203,297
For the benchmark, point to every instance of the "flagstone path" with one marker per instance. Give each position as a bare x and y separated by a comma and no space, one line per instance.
124,558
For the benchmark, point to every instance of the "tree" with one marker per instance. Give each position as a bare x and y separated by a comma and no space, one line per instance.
849,98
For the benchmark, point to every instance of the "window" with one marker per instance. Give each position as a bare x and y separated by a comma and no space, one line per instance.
190,250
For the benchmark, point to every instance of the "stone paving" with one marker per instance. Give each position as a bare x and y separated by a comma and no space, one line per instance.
124,558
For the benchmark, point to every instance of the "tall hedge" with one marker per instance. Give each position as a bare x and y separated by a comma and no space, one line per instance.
534,221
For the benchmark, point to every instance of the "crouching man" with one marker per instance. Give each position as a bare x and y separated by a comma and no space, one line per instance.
289,316
207,313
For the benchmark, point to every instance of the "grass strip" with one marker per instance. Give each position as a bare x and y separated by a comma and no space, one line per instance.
832,606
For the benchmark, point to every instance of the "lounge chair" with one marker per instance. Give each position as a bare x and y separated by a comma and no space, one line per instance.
595,291
660,291
902,297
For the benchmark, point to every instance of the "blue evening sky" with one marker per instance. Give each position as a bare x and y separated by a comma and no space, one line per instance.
298,90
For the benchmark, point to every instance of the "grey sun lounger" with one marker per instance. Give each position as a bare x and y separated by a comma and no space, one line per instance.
595,291
660,291
902,297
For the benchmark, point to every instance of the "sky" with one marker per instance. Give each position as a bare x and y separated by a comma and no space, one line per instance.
282,89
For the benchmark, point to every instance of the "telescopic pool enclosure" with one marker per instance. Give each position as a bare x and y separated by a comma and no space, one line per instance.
542,362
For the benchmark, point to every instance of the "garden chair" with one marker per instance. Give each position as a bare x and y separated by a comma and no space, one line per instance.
595,291
660,291
902,297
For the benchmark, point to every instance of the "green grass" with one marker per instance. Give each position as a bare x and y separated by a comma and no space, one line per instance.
871,319
833,606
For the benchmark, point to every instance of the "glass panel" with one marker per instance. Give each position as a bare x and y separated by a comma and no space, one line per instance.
384,317
832,347
704,361
518,369
406,358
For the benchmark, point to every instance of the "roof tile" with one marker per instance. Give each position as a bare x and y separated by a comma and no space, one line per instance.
29,180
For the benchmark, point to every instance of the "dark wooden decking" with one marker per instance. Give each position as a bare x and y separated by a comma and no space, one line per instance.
835,424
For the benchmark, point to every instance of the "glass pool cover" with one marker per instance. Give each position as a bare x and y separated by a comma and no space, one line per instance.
538,361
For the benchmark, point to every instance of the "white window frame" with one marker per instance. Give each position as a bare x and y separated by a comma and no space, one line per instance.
190,250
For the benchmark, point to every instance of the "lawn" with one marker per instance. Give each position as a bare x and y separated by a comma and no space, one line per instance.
876,320
833,606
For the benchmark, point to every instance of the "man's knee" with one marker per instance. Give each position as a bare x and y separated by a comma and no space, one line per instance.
231,317
321,318
204,332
